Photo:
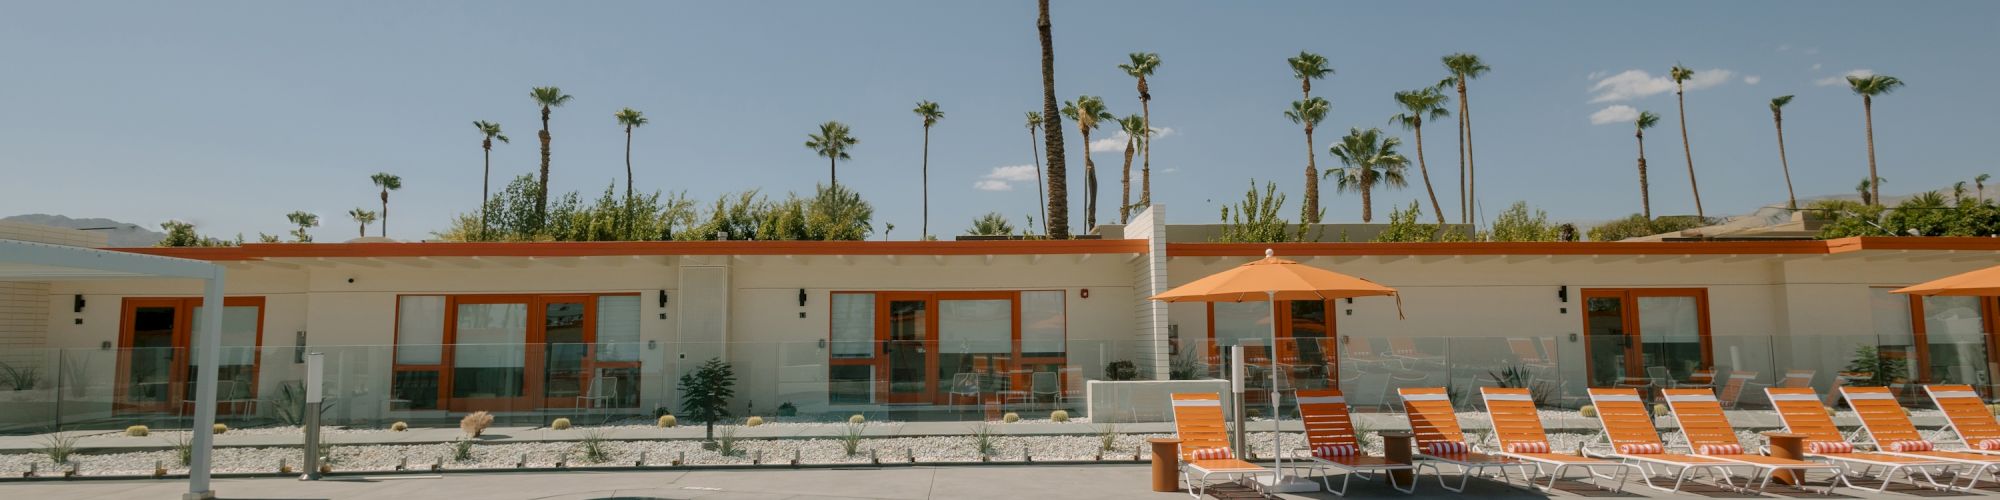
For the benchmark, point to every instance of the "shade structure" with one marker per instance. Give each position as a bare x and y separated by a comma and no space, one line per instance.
1976,283
1272,278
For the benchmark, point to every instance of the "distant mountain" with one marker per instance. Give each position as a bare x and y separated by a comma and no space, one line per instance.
125,234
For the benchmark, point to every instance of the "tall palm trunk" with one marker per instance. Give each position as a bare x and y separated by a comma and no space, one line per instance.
1471,163
926,227
1367,198
1425,169
485,188
1791,198
1146,145
1464,154
385,212
1125,185
1089,185
1686,149
1312,213
1058,216
1041,200
833,171
1874,181
1645,190
630,212
542,197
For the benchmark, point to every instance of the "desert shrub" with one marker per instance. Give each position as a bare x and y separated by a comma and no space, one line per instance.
594,447
559,424
137,431
399,427
850,438
705,393
753,421
725,441
1010,417
461,450
221,428
668,421
856,419
1059,416
982,439
1107,437
59,446
475,423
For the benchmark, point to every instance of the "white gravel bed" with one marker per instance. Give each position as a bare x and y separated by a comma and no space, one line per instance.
284,430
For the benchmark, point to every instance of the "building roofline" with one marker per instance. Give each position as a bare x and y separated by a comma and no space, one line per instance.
260,251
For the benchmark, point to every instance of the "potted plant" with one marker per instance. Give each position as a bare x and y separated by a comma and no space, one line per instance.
787,410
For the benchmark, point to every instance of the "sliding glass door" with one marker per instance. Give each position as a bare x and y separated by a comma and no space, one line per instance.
488,353
1628,330
157,368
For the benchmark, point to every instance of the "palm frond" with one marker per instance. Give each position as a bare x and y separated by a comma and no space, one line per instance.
549,97
1308,65
1779,102
630,117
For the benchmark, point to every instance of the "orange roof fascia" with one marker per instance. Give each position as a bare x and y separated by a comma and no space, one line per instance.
255,251
1802,247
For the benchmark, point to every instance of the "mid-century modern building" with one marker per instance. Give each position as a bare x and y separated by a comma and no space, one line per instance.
416,330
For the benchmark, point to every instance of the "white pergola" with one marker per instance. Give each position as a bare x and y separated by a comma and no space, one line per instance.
29,261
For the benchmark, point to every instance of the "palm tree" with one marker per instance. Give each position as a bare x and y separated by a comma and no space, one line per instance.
1041,200
1463,67
1869,87
1681,74
1647,119
991,224
1370,160
1058,214
1310,112
931,114
304,220
1868,188
388,183
1142,66
1418,105
1135,134
490,131
832,143
1778,118
1980,183
1088,112
630,119
363,216
1307,67
547,98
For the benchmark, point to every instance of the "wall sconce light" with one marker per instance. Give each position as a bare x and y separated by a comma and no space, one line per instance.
652,345
822,344
802,297
1562,293
1085,293
1572,337
104,346
663,299
77,303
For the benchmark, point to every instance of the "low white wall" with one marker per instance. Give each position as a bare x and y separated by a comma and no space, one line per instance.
1144,400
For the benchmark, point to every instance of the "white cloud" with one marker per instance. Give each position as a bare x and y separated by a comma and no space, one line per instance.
1003,178
1752,79
1116,143
1634,83
1785,47
1594,75
1170,170
1842,79
1616,113
1812,51
1817,66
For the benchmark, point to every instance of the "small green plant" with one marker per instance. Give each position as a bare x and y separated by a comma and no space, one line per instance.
137,431
559,424
1059,416
1183,366
725,440
788,410
753,421
594,446
58,446
290,406
1363,433
1010,417
326,453
850,438
1878,370
1107,437
1121,370
461,450
20,379
982,439
668,421
183,448
705,393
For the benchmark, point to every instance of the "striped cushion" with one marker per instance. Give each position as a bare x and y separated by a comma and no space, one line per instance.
1989,444
1642,449
1335,450
1447,448
1211,454
1829,447
1720,449
1528,448
1907,446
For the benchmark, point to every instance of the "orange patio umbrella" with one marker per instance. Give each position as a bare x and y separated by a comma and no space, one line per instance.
1273,279
1983,282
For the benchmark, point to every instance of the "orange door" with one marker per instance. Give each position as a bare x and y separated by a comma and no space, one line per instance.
907,339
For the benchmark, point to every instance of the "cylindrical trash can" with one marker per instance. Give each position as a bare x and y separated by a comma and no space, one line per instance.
1166,464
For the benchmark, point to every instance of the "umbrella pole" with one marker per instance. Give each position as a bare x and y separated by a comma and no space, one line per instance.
1277,417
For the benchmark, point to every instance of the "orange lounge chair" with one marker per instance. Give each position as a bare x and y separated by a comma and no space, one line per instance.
1633,438
1524,350
1440,440
1732,387
1204,439
1797,378
1519,428
1332,443
1709,434
1801,411
1891,431
1968,417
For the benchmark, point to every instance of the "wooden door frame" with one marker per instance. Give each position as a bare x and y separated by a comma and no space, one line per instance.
448,379
1920,334
541,326
1635,364
884,365
182,337
1013,354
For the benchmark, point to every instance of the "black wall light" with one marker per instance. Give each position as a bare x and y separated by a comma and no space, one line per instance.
663,298
802,297
77,304
1562,293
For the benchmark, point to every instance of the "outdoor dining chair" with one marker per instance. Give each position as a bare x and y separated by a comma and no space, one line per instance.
1046,384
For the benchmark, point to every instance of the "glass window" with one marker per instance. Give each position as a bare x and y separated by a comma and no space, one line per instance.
1670,334
1895,333
618,328
1247,323
420,330
1954,330
851,384
237,371
853,325
489,359
1043,327
976,326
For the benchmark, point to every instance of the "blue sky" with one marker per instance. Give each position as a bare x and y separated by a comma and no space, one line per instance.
231,114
